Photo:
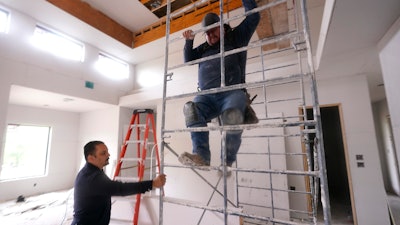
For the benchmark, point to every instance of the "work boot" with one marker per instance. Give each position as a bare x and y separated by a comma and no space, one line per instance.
188,159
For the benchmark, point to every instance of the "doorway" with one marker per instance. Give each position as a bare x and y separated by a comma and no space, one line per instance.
340,193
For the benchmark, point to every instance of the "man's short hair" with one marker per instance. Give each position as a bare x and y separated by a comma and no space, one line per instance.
90,148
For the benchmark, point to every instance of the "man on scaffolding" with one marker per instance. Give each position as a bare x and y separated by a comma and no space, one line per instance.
229,105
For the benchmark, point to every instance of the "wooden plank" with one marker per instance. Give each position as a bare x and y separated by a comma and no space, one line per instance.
95,18
144,1
156,31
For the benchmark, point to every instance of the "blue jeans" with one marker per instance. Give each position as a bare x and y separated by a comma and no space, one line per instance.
209,107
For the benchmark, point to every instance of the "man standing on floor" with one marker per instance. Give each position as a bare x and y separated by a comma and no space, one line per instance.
93,188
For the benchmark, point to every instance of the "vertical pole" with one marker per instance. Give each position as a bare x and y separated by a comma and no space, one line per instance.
317,117
168,25
223,141
222,41
224,172
313,204
270,179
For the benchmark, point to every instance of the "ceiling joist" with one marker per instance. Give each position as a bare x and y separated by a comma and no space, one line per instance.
96,19
190,18
273,22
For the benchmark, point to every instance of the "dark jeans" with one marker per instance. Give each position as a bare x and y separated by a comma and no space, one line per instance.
209,107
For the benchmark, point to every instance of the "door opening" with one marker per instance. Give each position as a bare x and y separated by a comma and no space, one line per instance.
340,194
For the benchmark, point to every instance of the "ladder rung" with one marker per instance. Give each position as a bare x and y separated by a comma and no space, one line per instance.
127,179
138,125
134,142
142,125
139,141
131,159
136,159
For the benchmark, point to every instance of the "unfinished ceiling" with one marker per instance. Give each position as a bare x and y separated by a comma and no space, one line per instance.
275,20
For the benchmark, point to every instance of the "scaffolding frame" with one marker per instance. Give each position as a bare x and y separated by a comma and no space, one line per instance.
313,156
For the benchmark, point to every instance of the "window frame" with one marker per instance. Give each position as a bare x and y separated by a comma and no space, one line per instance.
45,153
63,37
104,71
7,21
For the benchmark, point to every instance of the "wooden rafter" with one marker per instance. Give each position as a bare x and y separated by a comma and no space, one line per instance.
95,18
157,30
273,21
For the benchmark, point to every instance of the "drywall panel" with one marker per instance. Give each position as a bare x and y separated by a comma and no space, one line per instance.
389,54
102,125
359,132
351,92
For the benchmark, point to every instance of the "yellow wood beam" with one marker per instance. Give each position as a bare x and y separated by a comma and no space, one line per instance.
95,18
157,30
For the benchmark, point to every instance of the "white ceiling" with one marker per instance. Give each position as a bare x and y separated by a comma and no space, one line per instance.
49,100
130,14
354,25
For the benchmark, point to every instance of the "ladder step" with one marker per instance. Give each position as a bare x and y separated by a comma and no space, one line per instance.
126,179
150,111
134,142
136,159
140,126
138,142
131,159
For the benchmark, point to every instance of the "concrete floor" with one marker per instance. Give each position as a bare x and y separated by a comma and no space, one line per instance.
60,212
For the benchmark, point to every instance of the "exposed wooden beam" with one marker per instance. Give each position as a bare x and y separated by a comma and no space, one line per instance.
157,30
144,1
95,18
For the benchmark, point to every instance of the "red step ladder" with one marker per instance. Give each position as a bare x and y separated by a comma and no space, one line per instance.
142,144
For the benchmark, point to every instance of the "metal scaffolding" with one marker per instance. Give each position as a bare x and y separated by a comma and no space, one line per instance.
280,173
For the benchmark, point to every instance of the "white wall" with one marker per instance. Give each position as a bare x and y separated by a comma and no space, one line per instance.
350,91
359,133
62,153
103,125
23,65
389,53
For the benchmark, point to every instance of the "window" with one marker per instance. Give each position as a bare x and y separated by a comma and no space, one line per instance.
58,44
4,21
112,67
25,151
